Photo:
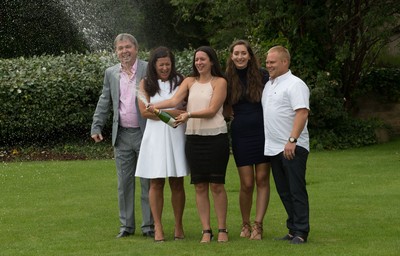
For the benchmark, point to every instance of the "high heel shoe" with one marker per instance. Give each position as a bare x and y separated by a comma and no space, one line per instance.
246,230
223,231
209,234
257,231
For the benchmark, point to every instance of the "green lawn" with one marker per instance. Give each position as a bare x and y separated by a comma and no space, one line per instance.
70,208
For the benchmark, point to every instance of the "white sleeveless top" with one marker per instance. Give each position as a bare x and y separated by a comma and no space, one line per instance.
199,98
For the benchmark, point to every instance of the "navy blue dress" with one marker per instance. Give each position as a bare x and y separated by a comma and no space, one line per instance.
247,128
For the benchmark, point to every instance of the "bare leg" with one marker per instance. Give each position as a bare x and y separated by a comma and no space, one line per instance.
262,200
246,174
221,207
203,208
263,190
178,199
156,197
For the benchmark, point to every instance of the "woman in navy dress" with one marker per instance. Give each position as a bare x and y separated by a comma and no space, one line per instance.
246,82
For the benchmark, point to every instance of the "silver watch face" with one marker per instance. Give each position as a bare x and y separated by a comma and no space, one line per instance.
291,139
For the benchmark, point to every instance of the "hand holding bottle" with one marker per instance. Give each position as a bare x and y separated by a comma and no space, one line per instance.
164,116
183,118
150,107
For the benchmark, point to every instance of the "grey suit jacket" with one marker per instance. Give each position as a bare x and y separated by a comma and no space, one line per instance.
110,96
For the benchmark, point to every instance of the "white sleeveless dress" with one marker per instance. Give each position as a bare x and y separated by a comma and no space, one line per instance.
162,152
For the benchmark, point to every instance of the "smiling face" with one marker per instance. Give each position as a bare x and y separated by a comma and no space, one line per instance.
126,52
163,68
240,56
276,64
202,62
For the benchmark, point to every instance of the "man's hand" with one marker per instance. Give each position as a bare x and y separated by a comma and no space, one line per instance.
289,150
97,137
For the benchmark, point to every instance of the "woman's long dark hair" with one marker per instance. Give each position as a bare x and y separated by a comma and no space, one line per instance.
151,85
254,86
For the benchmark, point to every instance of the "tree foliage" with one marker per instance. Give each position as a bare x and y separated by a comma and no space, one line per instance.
333,44
358,31
342,37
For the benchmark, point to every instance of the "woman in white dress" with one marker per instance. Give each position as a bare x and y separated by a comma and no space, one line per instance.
162,152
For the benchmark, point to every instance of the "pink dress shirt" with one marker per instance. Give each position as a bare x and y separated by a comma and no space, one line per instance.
128,113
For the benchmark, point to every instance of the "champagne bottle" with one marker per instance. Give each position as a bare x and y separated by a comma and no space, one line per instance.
165,117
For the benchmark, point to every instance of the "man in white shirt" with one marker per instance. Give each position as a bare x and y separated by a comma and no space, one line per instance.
285,102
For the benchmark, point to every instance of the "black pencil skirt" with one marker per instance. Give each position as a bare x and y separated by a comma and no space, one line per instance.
208,158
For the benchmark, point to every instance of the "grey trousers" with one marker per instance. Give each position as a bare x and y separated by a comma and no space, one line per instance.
126,151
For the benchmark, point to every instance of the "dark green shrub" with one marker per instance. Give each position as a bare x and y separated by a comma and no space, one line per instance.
49,98
325,102
383,82
331,127
348,133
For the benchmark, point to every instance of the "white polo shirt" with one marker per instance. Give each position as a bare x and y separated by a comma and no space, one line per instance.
280,99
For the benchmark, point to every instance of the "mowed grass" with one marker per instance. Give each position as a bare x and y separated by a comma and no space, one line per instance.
70,208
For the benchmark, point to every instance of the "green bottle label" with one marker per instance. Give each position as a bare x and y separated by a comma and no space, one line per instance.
165,117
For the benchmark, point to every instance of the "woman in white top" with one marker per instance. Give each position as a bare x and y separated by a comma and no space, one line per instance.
162,152
207,143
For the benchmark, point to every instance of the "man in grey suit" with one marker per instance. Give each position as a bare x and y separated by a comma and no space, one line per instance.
119,91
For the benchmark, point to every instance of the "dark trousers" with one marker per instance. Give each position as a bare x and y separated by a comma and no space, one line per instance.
290,181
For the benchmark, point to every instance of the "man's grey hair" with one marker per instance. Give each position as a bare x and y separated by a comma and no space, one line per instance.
126,36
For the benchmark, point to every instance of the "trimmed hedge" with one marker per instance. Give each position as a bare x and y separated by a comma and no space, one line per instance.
49,98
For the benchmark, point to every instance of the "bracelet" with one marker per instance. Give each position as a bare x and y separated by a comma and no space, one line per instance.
189,115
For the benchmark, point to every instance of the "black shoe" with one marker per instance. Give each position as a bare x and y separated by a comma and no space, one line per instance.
288,237
123,234
298,240
148,233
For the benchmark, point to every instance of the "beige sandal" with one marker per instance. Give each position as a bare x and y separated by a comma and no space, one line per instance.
257,231
207,236
222,232
246,230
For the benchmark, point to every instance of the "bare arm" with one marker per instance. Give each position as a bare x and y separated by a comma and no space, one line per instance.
300,120
142,107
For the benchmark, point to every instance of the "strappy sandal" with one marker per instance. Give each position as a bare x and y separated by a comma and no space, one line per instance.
222,230
207,231
257,231
246,230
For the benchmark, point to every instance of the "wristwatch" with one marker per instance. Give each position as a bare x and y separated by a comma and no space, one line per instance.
292,140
